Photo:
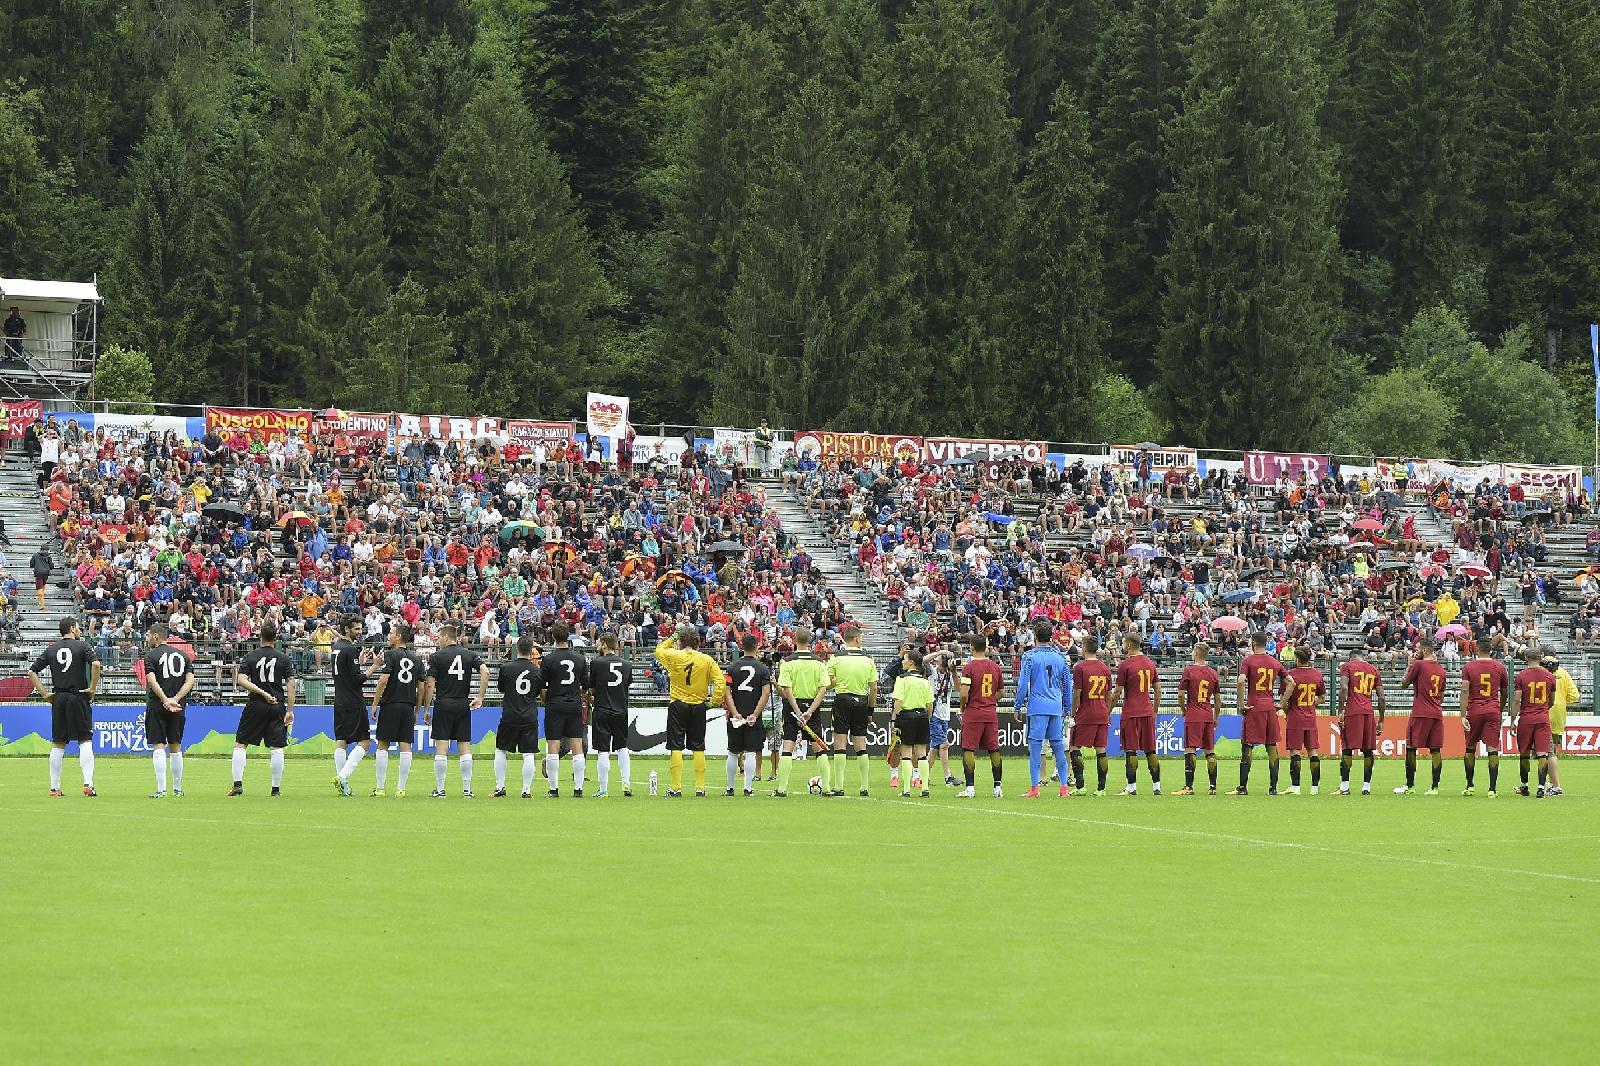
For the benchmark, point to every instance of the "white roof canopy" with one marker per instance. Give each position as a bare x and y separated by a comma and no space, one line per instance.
38,293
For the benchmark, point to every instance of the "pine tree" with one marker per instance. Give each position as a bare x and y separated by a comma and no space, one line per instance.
1245,354
821,315
27,200
409,362
383,23
954,151
517,274
330,284
1135,93
1059,321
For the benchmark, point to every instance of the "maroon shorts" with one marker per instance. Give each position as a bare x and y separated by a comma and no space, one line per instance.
1088,735
1260,726
1138,734
1199,735
1360,733
980,734
1483,727
1533,738
1425,733
1302,734
39,582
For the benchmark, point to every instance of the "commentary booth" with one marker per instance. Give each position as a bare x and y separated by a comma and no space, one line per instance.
57,352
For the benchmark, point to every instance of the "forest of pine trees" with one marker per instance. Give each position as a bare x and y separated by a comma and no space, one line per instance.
1295,224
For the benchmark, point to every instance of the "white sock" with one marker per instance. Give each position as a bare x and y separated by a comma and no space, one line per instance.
57,756
86,763
623,759
175,759
159,758
352,760
602,769
749,770
466,773
405,769
338,761
733,769
499,770
441,767
578,763
238,766
277,767
530,770
382,767
552,769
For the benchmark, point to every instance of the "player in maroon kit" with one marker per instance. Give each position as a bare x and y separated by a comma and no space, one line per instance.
1090,714
1139,694
981,682
1530,713
1198,688
1357,730
1485,688
1425,678
1301,697
1259,677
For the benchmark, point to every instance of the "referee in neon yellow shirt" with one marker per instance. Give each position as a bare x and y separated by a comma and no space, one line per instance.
853,680
802,679
1566,693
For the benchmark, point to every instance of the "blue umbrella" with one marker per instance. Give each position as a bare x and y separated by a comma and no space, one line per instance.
1143,551
1240,596
999,519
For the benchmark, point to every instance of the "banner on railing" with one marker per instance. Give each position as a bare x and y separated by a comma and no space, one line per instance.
527,434
1268,468
981,450
1462,476
447,427
889,447
1182,460
734,445
1543,478
359,425
256,424
20,414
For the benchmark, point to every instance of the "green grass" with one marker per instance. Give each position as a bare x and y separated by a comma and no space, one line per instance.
314,928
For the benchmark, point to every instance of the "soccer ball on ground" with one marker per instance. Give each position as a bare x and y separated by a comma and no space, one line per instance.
814,786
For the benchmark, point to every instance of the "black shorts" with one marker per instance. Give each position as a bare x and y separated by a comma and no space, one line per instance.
452,720
260,724
791,724
852,716
746,738
351,725
161,726
70,718
686,726
608,731
517,735
913,729
397,723
563,724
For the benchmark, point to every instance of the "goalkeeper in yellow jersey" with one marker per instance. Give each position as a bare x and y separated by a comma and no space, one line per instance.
695,684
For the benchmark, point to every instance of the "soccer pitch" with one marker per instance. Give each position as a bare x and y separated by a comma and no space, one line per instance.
315,928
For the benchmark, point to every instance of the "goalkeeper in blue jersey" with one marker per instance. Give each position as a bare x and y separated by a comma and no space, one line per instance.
1044,692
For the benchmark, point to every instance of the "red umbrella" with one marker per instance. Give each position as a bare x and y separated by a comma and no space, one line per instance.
1366,523
1230,623
1454,629
1476,570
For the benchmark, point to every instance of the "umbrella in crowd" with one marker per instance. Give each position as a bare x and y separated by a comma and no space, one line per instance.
1230,623
1361,546
672,575
1454,629
959,460
999,519
1370,524
1394,567
1476,570
512,530
1255,571
727,546
565,551
1240,596
223,512
635,562
1143,551
298,517
1148,445
1581,573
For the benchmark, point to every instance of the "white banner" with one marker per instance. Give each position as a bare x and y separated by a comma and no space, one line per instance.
138,425
734,445
1543,478
447,427
1463,477
607,415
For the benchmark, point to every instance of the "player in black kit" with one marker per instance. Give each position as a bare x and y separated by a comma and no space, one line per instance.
749,688
74,678
520,684
449,701
352,729
610,678
401,673
266,674
168,677
565,674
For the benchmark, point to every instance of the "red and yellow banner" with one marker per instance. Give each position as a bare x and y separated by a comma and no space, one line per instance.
254,423
889,447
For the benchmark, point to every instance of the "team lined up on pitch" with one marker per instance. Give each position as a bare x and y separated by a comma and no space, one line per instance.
1067,707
